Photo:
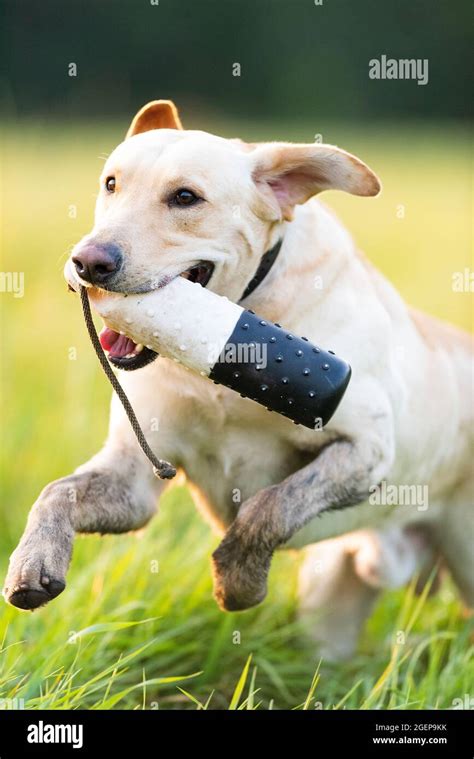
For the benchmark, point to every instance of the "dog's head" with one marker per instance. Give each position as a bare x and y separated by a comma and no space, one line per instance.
177,202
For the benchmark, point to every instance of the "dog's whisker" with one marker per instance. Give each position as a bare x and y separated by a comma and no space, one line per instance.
65,253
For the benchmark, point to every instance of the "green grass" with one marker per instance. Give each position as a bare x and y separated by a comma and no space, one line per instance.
123,635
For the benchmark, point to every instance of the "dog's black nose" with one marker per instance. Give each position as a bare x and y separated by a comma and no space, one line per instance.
97,263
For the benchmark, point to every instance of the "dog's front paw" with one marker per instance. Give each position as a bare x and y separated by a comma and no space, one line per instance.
240,575
37,571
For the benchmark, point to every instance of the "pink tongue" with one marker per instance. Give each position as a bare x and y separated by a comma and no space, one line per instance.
116,344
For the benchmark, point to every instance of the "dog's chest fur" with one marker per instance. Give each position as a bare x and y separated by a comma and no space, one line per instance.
228,447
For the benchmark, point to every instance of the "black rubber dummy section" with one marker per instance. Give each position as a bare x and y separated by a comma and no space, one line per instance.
285,373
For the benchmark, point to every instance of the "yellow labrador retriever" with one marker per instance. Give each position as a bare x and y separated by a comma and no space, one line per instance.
377,495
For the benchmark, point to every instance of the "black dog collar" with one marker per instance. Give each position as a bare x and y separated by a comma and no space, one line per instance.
266,263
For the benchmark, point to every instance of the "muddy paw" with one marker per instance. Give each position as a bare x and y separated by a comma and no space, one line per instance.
240,578
36,573
25,596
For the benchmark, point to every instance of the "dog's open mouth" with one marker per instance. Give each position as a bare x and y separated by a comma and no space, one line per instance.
123,352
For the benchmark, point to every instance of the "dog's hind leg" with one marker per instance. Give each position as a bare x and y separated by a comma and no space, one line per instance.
341,578
334,601
454,536
114,492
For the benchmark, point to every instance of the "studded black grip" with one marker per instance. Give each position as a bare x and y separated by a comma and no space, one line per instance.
285,373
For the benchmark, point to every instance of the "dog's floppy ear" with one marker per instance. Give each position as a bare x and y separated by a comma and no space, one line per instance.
158,114
289,174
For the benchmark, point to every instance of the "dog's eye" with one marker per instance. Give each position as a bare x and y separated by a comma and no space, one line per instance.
110,184
184,197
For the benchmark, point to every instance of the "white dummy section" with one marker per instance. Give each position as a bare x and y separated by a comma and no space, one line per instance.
181,320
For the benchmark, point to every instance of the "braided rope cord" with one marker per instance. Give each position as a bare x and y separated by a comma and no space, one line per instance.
162,469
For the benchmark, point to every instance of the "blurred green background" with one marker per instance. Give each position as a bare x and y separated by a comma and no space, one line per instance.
304,73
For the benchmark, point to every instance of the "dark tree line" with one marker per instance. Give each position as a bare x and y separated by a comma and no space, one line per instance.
295,56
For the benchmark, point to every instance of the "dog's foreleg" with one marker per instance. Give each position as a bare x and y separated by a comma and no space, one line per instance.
340,476
114,492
